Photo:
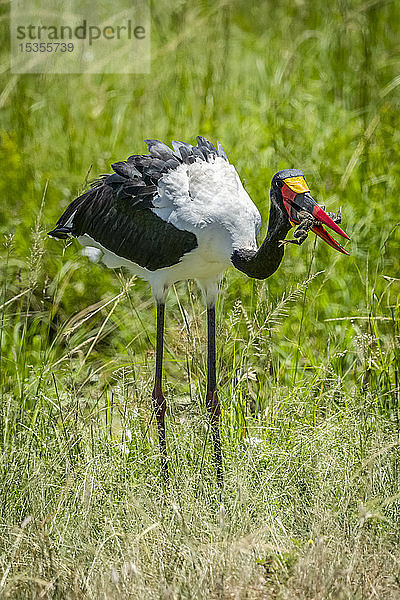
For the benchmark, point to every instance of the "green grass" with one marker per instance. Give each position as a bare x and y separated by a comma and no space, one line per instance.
309,361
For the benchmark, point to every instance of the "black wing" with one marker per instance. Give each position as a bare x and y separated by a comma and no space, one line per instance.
116,211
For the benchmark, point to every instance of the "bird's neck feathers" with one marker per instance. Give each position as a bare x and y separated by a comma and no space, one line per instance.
263,262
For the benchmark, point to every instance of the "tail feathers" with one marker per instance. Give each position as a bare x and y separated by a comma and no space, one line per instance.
60,233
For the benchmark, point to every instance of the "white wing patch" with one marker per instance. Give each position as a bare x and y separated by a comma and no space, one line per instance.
209,195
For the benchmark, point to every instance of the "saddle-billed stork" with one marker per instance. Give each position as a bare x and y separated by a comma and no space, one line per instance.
172,215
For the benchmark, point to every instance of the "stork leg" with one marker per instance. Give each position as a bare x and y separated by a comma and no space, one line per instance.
159,403
212,401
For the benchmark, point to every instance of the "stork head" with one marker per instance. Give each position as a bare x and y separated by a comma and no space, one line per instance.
290,190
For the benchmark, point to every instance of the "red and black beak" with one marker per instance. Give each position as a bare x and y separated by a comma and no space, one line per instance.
295,202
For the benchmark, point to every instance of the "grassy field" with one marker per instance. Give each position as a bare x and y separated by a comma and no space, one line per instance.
309,361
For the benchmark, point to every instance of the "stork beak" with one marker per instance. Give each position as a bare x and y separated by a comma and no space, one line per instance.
296,201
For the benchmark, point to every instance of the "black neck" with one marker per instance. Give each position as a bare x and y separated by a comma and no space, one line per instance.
263,262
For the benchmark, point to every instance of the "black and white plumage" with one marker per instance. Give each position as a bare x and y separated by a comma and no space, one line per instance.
167,216
181,214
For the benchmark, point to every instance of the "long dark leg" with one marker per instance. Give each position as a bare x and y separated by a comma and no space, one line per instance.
158,398
212,401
